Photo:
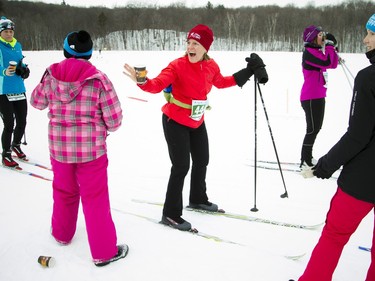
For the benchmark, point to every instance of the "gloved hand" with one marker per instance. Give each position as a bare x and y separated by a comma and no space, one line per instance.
242,76
330,40
320,172
255,63
307,171
22,70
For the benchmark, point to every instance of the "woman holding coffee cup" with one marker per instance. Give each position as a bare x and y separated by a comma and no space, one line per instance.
13,103
191,78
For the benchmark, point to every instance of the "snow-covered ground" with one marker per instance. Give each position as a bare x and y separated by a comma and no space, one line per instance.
139,169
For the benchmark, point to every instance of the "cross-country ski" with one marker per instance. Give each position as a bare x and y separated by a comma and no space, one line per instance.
22,171
242,217
208,236
32,163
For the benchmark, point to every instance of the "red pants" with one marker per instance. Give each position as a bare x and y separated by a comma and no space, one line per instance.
343,218
86,182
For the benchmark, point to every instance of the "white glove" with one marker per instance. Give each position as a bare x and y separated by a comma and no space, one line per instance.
307,171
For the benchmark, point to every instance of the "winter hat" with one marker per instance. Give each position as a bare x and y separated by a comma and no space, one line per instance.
311,32
6,24
371,23
203,34
78,44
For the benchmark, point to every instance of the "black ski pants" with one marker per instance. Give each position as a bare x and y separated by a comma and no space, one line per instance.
10,111
314,112
185,142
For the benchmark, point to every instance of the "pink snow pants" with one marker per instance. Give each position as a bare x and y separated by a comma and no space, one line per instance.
88,182
343,218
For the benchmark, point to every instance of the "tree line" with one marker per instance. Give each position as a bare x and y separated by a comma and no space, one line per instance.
41,26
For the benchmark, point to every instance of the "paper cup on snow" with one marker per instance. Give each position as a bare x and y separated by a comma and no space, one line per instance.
46,261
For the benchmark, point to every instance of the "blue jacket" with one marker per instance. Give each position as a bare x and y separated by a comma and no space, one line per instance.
8,52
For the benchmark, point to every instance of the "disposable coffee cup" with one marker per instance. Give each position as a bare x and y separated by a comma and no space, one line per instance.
13,65
46,261
140,72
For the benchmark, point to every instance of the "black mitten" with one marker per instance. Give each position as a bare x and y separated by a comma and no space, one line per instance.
320,172
330,40
255,63
242,76
22,70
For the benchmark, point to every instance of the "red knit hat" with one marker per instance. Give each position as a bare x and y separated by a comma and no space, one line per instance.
203,34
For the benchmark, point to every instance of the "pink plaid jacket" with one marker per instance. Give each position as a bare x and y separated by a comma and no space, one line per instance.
83,106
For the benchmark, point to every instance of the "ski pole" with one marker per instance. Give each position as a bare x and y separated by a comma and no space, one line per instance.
343,66
285,194
255,209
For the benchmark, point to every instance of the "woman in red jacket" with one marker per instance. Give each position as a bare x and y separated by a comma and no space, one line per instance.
191,78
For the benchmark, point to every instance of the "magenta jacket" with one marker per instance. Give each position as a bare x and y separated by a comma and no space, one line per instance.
314,63
83,106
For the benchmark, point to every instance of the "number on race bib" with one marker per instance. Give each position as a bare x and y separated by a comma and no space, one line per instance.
198,108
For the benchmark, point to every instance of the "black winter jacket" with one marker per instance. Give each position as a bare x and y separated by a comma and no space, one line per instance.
355,151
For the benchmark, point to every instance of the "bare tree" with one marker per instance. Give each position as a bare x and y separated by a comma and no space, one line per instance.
268,28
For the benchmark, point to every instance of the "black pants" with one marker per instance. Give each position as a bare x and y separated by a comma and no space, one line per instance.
314,112
10,111
184,142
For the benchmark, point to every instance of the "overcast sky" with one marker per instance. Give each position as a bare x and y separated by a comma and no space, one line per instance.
194,3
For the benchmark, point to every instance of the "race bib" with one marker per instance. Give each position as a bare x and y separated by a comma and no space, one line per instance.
198,107
16,97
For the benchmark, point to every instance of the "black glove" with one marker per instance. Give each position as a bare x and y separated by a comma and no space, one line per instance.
320,172
22,70
255,63
330,40
242,76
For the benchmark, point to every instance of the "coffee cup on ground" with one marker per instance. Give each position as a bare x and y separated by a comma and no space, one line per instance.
46,261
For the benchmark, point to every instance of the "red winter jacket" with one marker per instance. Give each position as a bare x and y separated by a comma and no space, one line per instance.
190,81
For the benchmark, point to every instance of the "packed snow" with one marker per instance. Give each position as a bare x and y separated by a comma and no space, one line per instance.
139,169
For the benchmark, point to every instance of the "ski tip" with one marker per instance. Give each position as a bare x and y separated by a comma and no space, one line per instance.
295,257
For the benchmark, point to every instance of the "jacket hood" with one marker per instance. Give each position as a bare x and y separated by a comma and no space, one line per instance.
68,77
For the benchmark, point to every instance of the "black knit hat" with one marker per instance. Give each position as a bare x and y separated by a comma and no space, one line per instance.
6,24
78,44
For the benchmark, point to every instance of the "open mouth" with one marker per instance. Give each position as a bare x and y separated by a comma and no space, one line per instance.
192,54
